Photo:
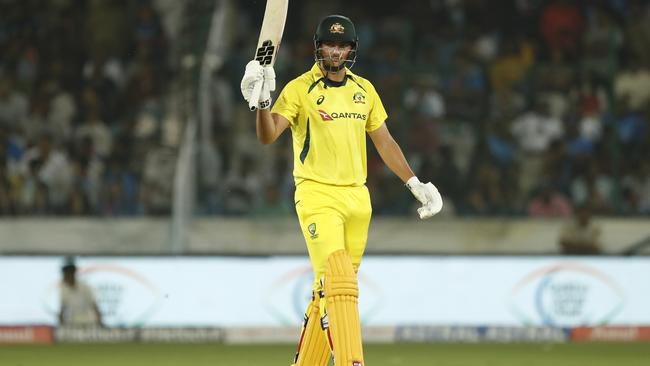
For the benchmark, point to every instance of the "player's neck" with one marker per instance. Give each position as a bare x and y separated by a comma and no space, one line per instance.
336,76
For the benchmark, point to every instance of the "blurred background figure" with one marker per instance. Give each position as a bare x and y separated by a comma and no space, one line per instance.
78,305
581,236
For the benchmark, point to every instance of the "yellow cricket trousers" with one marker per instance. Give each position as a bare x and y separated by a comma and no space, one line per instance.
332,218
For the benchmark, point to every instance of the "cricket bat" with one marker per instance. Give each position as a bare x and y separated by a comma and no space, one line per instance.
275,15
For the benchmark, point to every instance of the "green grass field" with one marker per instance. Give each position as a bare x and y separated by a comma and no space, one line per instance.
376,355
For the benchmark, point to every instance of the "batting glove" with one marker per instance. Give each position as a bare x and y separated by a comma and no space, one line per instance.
269,77
428,195
257,84
265,99
254,74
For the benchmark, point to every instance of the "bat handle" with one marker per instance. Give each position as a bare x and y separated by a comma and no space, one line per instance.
255,95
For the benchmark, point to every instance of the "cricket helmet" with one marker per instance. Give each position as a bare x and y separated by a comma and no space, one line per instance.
336,28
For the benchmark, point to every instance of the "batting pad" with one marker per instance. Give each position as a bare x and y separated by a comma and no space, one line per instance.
313,349
342,308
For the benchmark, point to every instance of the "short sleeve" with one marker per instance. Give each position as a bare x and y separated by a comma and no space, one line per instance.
377,115
288,103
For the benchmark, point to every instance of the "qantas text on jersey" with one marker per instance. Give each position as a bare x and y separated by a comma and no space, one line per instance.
337,115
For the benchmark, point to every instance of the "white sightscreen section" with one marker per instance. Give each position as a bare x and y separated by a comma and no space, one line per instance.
274,291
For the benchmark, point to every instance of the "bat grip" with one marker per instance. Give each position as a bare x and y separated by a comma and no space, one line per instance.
255,95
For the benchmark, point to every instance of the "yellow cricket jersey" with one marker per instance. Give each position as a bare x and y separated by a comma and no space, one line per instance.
328,124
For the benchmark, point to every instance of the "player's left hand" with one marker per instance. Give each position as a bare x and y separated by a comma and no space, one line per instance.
428,195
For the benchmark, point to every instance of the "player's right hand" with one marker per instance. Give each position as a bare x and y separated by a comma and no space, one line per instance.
254,74
257,84
264,100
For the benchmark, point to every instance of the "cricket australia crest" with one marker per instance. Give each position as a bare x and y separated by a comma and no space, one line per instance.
358,97
337,28
312,230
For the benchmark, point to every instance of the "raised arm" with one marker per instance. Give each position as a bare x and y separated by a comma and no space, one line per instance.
269,126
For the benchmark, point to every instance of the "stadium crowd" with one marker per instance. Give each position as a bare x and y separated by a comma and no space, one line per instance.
528,108
81,98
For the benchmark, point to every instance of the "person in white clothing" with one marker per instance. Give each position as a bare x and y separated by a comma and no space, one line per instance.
78,304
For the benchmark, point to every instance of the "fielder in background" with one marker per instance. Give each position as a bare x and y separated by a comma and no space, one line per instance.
329,110
78,305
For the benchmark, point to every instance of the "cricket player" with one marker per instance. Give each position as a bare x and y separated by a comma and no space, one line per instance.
329,110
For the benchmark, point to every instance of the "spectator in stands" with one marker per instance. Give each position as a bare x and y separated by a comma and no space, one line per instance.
93,127
632,85
632,128
512,64
61,111
637,32
423,97
582,65
486,196
464,86
590,103
78,304
31,195
580,235
157,181
548,202
557,168
592,186
631,183
442,168
534,132
536,129
561,26
53,170
14,106
88,169
601,43
120,193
